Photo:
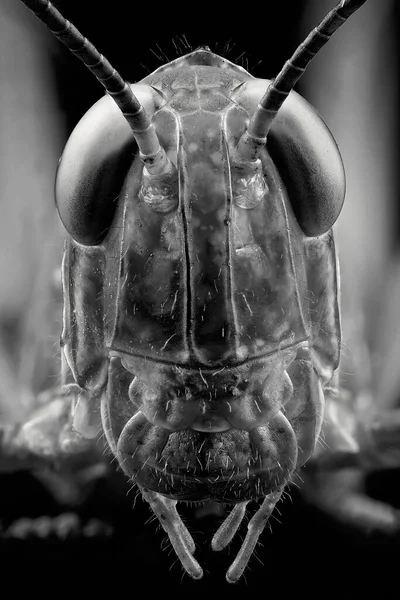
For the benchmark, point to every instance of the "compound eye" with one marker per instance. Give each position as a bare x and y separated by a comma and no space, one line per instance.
248,184
161,193
310,165
92,171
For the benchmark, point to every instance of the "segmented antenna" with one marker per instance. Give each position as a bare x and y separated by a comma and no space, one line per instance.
293,69
146,137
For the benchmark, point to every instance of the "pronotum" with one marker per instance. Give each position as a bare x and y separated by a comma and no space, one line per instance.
201,321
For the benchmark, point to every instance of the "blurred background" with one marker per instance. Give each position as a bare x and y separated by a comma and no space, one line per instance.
44,91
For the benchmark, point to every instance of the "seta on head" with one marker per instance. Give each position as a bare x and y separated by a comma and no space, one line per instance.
151,152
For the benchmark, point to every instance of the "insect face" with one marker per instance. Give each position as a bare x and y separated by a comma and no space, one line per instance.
202,307
200,281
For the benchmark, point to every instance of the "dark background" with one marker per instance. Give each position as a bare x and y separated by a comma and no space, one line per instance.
307,552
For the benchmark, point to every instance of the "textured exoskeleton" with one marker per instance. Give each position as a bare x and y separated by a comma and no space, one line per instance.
213,325
201,319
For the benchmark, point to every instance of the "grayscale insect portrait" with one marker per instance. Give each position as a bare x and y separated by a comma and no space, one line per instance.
206,325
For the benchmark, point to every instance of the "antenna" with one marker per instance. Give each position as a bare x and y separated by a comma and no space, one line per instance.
256,135
152,154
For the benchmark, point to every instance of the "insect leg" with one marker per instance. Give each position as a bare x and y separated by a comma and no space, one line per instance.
342,495
229,527
380,440
180,538
255,528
